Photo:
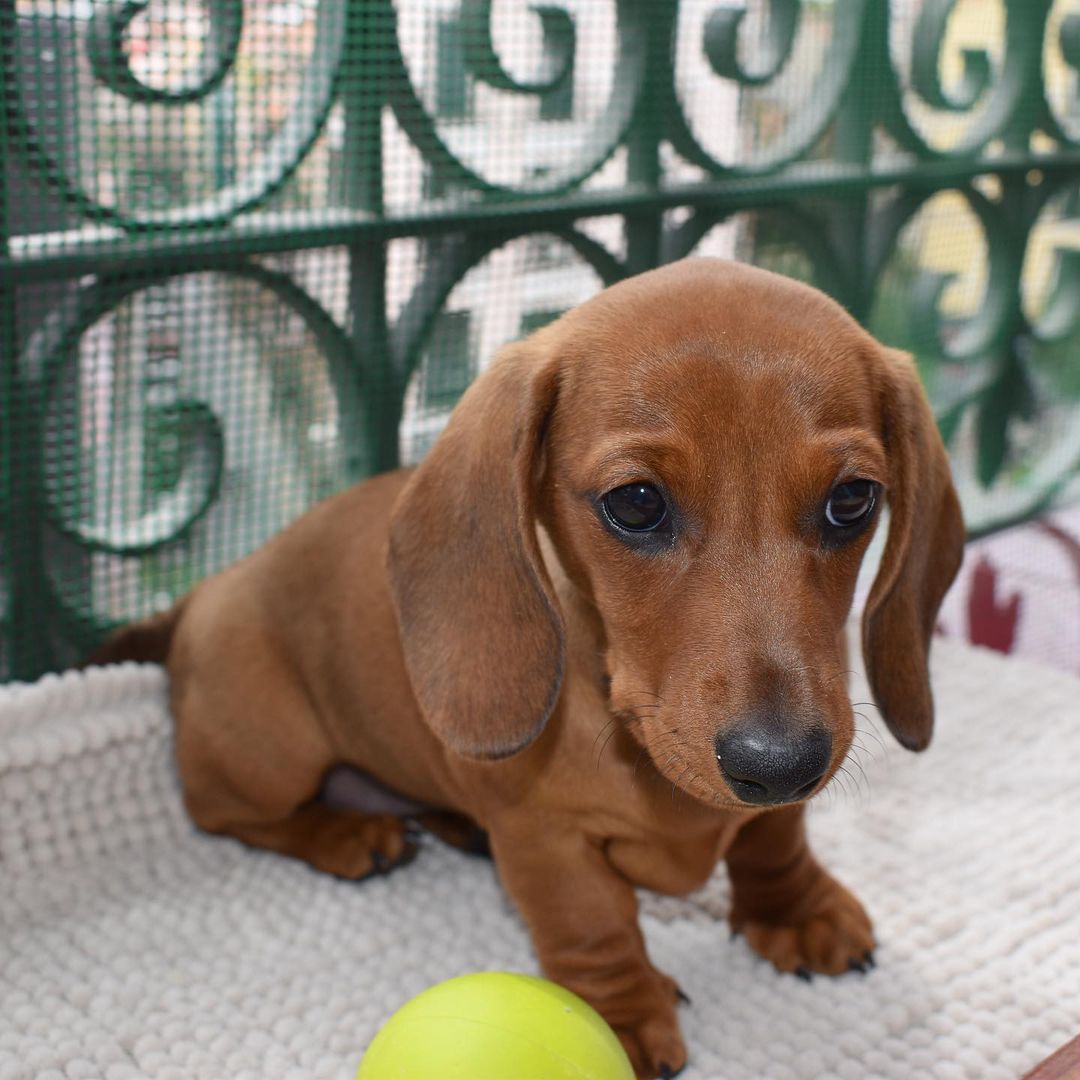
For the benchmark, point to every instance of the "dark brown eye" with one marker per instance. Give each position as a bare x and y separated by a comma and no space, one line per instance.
850,503
635,507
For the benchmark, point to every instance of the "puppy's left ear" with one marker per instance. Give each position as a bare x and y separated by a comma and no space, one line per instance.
922,555
481,629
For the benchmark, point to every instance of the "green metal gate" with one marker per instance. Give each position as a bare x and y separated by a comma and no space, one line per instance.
252,252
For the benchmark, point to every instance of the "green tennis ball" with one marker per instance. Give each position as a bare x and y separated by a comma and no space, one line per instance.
495,1026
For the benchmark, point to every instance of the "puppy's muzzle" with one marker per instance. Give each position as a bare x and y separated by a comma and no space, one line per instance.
766,761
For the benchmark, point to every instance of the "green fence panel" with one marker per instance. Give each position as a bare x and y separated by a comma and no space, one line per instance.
252,252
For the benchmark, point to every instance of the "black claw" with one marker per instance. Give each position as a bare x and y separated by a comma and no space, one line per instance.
869,960
860,966
477,843
804,973
412,834
380,864
734,934
682,995
408,853
667,1072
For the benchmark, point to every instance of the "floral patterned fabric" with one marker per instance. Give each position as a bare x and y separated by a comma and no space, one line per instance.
1019,592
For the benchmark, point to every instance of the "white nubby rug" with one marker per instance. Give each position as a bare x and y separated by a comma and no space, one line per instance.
131,946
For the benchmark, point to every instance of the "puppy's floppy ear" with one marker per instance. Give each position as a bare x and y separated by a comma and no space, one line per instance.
922,554
480,626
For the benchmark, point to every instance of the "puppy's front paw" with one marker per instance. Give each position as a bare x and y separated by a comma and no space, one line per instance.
648,1027
825,930
654,1045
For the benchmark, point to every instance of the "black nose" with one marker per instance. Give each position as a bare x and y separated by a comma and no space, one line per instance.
766,761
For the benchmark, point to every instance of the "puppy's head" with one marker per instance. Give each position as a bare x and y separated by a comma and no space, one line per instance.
710,447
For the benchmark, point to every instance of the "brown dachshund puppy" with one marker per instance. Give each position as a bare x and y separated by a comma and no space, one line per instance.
604,620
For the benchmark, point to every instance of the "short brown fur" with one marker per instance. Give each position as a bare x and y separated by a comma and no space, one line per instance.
474,636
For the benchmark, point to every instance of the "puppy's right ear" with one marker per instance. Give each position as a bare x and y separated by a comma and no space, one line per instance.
480,626
921,559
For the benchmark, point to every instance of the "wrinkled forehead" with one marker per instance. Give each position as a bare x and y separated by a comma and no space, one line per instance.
712,384
735,330
720,389
759,387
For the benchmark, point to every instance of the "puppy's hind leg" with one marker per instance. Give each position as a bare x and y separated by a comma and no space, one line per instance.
252,758
346,843
352,789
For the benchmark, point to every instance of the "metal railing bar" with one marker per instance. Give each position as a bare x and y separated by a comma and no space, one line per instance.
98,249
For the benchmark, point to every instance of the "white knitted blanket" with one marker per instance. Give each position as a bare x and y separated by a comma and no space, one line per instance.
132,947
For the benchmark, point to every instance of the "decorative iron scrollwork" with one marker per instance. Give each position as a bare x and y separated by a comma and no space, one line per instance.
814,136
56,151
109,26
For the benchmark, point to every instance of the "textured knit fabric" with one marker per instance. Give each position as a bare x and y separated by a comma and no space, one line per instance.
131,946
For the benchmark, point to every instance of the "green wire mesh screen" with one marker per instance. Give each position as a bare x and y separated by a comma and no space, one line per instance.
252,252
